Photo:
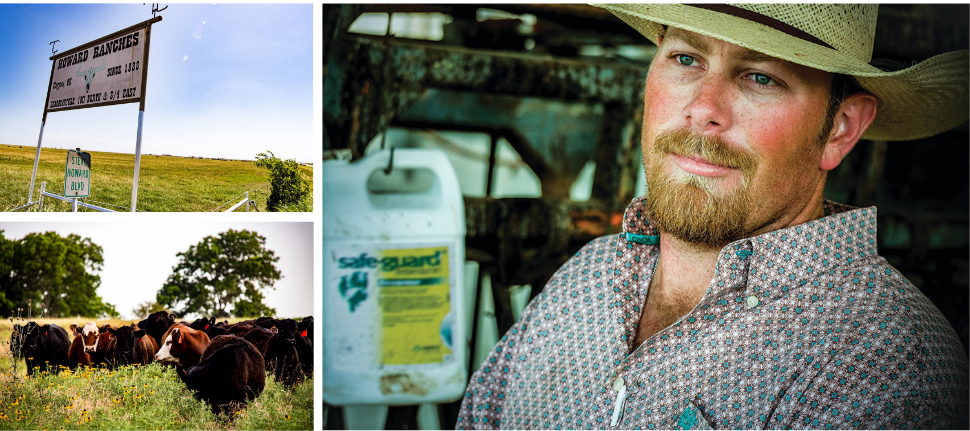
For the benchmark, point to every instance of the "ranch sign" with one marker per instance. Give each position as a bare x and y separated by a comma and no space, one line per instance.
107,71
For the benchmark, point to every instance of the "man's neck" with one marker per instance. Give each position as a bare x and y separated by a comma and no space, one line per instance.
683,273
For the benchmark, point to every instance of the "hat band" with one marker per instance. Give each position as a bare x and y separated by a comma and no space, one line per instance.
763,19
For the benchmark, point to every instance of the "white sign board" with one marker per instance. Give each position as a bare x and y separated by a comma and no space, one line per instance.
77,175
104,72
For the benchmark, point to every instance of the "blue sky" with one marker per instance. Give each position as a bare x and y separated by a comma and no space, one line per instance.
224,80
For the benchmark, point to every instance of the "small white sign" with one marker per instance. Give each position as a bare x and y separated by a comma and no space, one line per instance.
77,174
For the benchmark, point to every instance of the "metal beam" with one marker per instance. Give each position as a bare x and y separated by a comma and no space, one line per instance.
383,77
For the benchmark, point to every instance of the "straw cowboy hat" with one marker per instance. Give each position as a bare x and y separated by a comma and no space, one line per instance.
919,101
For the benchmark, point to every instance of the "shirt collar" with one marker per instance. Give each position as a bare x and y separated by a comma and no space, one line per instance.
780,261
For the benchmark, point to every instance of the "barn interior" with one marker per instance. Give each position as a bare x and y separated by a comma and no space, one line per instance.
538,108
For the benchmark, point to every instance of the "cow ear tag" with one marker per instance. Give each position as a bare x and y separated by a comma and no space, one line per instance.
303,334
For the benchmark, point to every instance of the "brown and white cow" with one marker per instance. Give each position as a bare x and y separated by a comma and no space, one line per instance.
84,345
182,345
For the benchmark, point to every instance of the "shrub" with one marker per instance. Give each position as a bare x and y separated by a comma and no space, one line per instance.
287,184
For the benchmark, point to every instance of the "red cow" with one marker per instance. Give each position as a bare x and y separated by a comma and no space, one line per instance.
182,345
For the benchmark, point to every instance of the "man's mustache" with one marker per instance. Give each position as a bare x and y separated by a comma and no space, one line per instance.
710,148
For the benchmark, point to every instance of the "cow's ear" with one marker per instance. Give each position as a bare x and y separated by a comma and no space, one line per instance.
173,316
110,330
177,333
45,328
274,330
140,333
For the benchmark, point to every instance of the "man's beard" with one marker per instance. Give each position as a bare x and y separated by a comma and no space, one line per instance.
689,206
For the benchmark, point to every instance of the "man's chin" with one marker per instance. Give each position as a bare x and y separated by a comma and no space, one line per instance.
694,214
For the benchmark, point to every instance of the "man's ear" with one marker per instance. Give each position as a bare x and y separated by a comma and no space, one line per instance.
851,120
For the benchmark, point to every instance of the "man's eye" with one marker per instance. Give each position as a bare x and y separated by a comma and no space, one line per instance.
762,79
686,60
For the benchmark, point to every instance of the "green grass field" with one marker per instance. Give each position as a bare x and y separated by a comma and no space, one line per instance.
165,184
143,397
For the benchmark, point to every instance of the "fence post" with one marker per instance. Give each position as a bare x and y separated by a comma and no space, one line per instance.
74,205
247,201
40,200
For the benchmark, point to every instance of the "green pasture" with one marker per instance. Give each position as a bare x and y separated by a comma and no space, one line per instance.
165,184
136,397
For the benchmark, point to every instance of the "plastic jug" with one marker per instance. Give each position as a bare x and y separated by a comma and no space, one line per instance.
394,328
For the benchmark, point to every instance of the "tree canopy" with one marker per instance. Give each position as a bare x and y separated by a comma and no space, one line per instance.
223,275
45,271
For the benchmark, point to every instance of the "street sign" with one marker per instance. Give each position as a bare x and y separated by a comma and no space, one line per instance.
77,174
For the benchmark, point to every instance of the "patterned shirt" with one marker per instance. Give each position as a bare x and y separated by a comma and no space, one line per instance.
803,327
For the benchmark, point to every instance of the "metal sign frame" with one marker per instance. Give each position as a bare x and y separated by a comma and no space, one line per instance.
147,25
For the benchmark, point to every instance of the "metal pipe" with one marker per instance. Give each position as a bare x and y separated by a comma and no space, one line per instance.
79,203
73,205
134,183
40,200
247,201
33,175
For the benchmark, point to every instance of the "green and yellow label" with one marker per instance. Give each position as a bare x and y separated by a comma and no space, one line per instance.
414,289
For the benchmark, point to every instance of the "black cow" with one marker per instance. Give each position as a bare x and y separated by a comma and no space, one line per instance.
231,373
156,324
281,354
45,347
209,326
129,346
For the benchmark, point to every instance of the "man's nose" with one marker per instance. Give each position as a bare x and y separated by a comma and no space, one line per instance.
709,110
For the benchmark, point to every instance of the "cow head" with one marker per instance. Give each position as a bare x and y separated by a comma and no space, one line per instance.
89,74
125,338
89,335
32,336
170,346
157,323
287,331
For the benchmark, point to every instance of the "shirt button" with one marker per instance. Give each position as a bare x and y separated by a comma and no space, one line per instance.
618,383
752,302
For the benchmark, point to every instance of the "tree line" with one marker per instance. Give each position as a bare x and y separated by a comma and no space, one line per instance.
46,274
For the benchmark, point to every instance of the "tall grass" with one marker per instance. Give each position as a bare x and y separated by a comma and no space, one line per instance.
132,397
165,183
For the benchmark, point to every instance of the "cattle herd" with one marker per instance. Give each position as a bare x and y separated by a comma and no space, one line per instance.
225,364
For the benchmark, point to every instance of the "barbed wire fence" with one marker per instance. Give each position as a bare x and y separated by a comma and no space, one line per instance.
235,198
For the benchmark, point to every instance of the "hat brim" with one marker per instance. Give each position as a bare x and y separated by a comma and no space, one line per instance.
920,101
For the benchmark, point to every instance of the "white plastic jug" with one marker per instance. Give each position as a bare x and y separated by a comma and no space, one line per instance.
393,256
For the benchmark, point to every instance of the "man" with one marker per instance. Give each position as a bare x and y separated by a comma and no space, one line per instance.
736,296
